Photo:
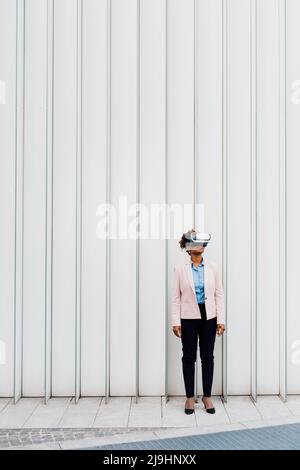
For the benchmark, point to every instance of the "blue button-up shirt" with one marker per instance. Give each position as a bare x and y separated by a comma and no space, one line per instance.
198,275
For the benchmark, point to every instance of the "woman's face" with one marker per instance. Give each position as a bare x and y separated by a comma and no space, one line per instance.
197,251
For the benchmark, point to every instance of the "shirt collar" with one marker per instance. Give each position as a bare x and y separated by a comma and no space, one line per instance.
192,264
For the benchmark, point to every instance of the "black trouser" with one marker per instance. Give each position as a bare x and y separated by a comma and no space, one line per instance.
190,330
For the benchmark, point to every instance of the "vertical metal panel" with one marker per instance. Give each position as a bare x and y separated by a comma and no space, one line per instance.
253,132
7,198
267,195
19,180
238,193
34,197
166,218
138,176
225,187
108,201
64,197
152,191
123,156
292,137
93,272
282,202
78,254
49,183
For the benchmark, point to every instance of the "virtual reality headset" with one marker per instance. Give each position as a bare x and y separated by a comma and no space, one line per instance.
194,240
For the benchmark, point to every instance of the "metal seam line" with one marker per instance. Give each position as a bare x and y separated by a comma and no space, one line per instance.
48,195
166,205
224,188
253,199
285,211
78,256
108,201
19,188
196,196
138,199
282,202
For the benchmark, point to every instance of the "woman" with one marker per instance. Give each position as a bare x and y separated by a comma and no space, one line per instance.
197,311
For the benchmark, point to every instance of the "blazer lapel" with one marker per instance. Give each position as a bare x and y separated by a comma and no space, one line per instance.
189,274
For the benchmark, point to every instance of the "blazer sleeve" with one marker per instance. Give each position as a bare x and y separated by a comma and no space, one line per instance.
219,297
175,302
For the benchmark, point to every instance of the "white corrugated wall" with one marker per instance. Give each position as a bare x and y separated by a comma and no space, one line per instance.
160,101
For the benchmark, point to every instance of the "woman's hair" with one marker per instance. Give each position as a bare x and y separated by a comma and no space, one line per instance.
183,239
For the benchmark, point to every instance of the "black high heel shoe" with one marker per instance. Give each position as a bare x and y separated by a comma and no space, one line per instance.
189,411
209,410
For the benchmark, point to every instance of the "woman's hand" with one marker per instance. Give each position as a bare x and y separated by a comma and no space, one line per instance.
220,329
177,331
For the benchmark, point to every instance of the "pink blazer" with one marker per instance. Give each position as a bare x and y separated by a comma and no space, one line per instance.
184,301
